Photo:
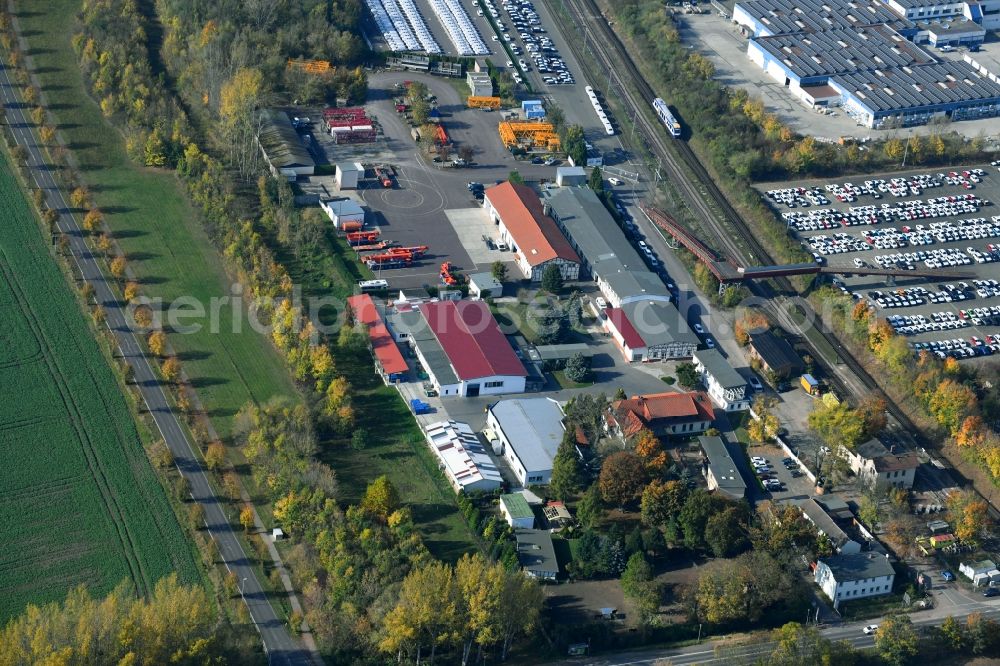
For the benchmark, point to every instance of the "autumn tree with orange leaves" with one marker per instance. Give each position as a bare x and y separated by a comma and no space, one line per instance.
649,447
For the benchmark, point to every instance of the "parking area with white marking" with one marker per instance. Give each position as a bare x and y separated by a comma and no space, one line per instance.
927,220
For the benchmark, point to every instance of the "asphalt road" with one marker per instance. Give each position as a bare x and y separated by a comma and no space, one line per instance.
734,651
278,643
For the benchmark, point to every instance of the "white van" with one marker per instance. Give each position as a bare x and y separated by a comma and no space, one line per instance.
373,285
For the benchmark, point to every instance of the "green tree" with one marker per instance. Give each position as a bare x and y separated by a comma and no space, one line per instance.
381,497
725,532
590,508
661,502
359,439
596,181
552,279
639,586
515,177
499,271
687,375
896,640
566,470
953,633
699,506
578,368
575,144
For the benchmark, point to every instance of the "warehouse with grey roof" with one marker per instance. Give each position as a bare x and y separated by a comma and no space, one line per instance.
865,57
641,319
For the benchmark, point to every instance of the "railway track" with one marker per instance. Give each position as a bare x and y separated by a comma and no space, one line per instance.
674,156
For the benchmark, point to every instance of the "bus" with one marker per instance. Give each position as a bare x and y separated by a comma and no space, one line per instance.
667,118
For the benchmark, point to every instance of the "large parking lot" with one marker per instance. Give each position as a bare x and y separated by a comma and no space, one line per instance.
931,220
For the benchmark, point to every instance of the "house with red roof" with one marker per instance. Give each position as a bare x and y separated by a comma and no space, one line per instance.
532,235
664,413
388,359
460,347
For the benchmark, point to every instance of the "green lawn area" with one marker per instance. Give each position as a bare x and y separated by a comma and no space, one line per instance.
566,383
79,502
150,216
397,449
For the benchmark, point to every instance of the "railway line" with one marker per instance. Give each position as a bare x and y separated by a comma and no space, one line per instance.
674,156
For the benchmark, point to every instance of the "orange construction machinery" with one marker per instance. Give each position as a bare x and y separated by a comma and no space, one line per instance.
528,134
372,247
448,275
388,260
309,66
441,135
483,102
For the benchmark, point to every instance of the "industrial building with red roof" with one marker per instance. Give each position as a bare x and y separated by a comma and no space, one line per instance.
389,361
532,235
461,348
663,413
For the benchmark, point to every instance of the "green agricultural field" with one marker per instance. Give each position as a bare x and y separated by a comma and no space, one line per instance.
79,502
155,226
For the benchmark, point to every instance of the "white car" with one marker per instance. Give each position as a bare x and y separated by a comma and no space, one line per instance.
615,181
600,303
710,343
758,460
698,328
755,383
870,629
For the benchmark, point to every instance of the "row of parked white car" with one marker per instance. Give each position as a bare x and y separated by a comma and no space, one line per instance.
916,324
461,30
542,51
799,197
947,293
876,187
916,209
959,349
402,26
936,258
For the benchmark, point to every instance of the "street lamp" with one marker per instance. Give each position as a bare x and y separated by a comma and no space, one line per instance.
242,584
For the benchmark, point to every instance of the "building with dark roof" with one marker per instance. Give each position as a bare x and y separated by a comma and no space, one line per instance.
877,465
726,387
282,148
642,320
534,238
763,18
536,554
461,348
720,469
825,524
855,576
664,414
774,354
863,56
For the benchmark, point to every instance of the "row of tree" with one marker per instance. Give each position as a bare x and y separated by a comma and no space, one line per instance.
954,397
175,624
474,604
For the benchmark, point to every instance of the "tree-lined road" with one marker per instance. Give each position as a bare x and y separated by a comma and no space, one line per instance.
281,648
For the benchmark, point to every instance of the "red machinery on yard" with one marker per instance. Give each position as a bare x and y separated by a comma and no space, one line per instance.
388,259
362,237
384,176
